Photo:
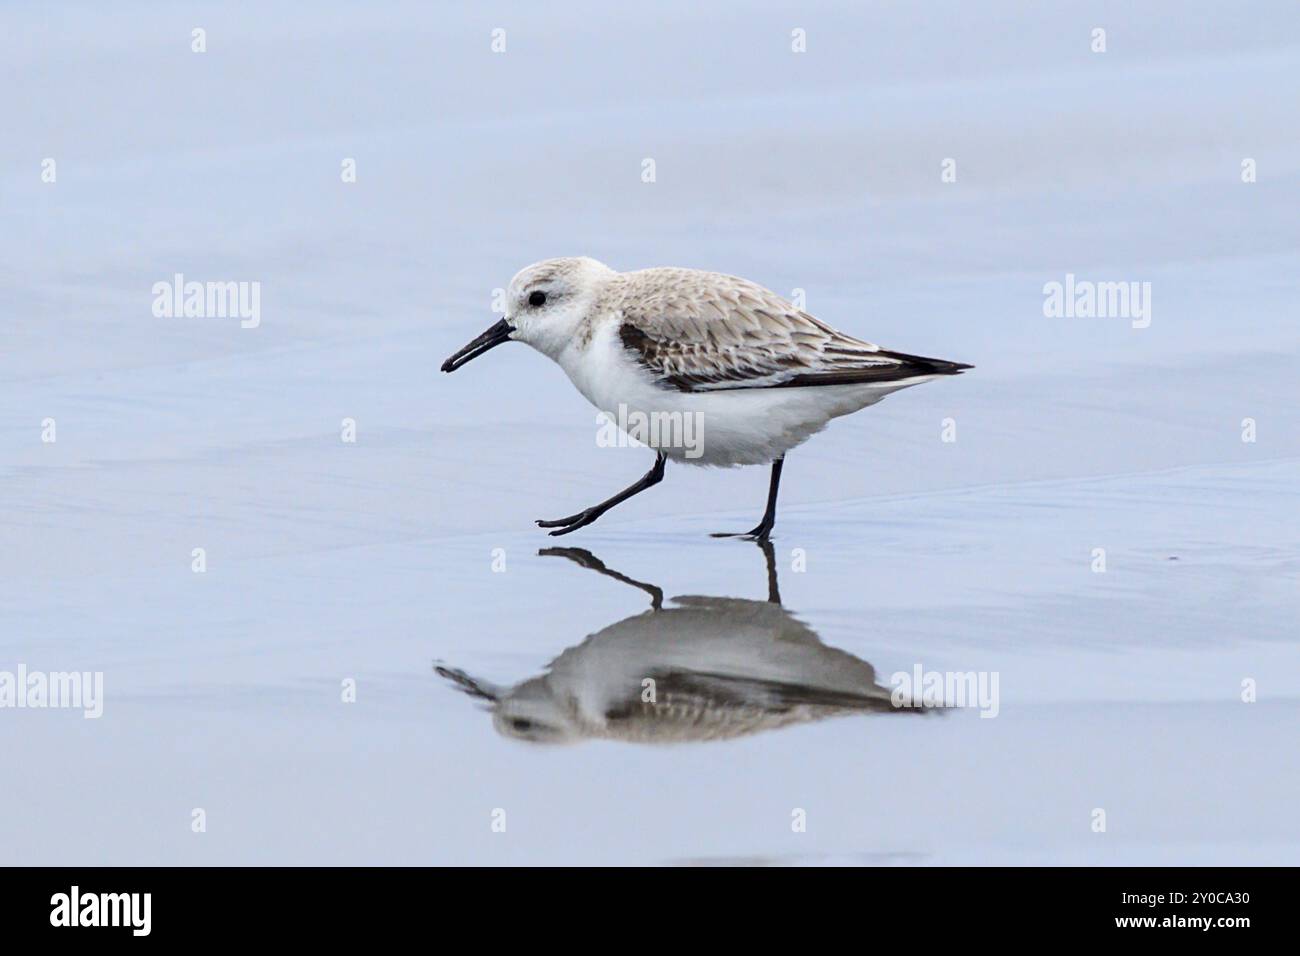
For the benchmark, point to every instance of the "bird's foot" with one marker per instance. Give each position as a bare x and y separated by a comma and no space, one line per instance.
572,522
578,555
759,534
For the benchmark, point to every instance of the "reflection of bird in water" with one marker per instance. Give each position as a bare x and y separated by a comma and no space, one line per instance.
707,668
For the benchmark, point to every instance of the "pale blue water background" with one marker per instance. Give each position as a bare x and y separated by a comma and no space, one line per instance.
817,171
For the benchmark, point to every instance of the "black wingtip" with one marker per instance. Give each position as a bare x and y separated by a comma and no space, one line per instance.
921,365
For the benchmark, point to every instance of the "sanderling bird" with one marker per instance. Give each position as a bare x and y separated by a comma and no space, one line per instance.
757,375
720,668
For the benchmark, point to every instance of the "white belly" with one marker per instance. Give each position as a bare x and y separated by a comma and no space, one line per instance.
721,428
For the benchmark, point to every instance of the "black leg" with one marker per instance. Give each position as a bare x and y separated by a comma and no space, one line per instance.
587,516
764,527
588,560
773,587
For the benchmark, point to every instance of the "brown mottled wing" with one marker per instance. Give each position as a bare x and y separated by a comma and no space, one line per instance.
699,331
700,706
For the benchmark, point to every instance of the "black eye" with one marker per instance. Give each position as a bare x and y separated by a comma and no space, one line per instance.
537,298
521,725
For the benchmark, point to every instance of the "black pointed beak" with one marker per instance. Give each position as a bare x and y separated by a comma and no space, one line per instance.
469,685
488,340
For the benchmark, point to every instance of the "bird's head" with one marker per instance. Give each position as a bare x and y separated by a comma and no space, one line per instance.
530,711
545,305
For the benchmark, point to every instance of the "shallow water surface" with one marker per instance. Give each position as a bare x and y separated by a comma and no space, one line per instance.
383,660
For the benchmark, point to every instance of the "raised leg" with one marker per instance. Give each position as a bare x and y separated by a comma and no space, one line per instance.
587,516
764,527
588,560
